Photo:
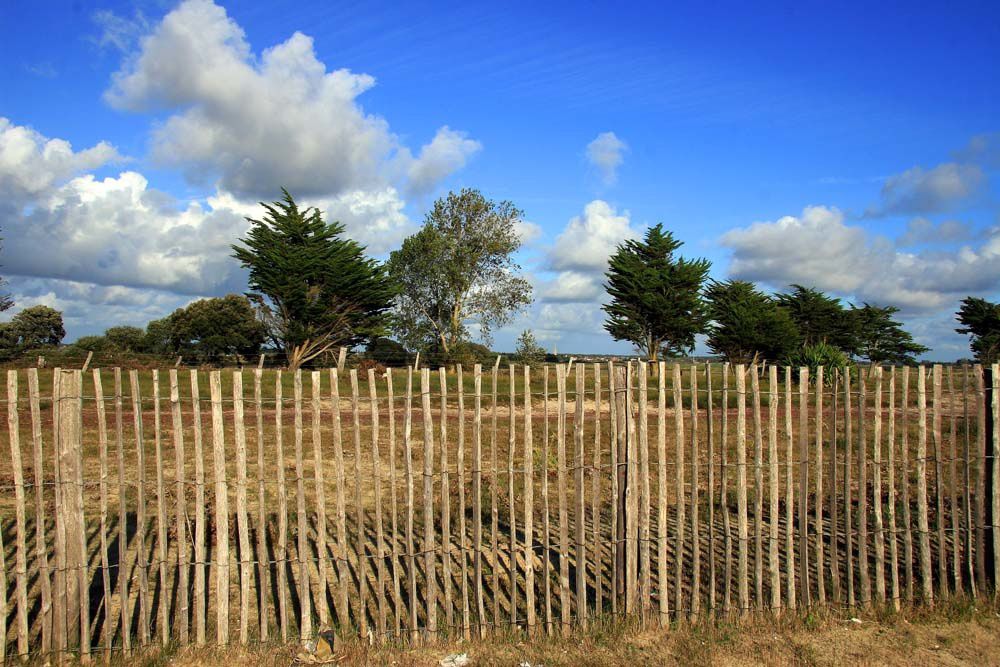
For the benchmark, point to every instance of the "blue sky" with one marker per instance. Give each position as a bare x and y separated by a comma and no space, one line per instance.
853,147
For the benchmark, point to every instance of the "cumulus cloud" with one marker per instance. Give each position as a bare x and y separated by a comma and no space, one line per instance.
591,238
527,231
921,231
607,152
818,249
253,122
982,149
917,190
573,286
374,218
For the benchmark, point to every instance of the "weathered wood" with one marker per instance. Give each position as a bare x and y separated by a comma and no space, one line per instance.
617,473
742,529
863,575
397,598
21,542
161,516
758,489
343,566
996,471
679,489
661,489
774,567
942,547
494,507
848,502
579,507
790,595
546,519
956,535
967,479
319,481
805,591
632,492
3,596
727,543
341,360
200,557
180,516
379,525
281,543
430,583
695,482
360,537
905,470
891,504
302,547
477,496
142,564
220,547
410,553
835,551
511,500
41,548
564,590
242,516
597,546
643,518
877,499
263,566
981,409
710,491
818,520
923,525
529,507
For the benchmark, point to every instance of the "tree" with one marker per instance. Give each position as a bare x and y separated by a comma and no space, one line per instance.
213,328
880,339
457,269
656,301
125,338
314,289
37,326
819,318
94,344
980,319
527,350
746,324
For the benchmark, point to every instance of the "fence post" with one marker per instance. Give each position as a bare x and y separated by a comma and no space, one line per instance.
70,512
990,399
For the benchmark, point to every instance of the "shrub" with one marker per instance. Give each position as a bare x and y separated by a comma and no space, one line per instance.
820,354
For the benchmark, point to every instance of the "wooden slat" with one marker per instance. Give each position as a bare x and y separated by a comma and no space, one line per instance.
477,496
644,495
430,583
727,542
343,565
695,482
710,491
848,502
616,472
877,498
805,591
447,545
905,470
263,566
221,544
21,559
564,590
790,595
579,513
546,517
942,547
319,482
631,495
140,516
996,470
967,479
662,576
773,491
511,500
302,547
758,489
397,597
923,525
597,546
161,516
379,525
742,529
41,548
891,504
818,520
242,516
360,537
61,604
835,551
863,576
679,499
529,507
494,507
281,543
956,535
410,553
200,557
180,516
981,409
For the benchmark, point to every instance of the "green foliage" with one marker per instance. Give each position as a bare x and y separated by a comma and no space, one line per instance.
527,350
126,338
819,354
458,269
980,319
94,344
656,301
387,352
819,318
746,324
38,326
206,330
880,339
315,289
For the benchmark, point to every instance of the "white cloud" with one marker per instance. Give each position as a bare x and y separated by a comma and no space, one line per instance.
818,249
590,239
923,231
373,218
570,286
527,231
606,152
917,190
259,122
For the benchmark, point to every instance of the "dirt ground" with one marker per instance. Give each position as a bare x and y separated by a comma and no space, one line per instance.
956,634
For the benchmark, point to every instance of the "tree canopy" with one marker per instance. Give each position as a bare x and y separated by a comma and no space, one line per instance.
881,339
457,271
314,288
527,350
819,318
746,324
32,328
656,301
980,320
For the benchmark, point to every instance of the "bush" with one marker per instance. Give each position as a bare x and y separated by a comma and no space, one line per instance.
387,352
820,354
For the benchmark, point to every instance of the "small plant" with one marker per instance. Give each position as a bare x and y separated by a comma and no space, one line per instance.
819,354
527,350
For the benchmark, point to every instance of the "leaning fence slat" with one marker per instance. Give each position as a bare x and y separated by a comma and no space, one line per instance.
263,567
41,548
242,518
579,508
773,491
361,537
379,526
564,590
281,545
319,481
21,560
758,489
529,509
200,601
430,584
180,516
302,546
877,499
142,564
805,591
923,525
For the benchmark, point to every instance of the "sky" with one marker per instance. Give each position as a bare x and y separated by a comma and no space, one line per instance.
854,148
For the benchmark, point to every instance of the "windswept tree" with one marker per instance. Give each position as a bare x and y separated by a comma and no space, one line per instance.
746,324
314,288
881,339
459,272
656,301
980,319
819,318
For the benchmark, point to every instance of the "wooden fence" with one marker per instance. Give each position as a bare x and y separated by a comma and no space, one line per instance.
408,505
